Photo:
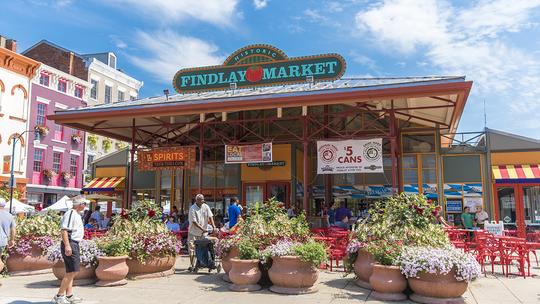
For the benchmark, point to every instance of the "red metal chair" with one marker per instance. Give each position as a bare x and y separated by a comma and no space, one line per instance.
516,250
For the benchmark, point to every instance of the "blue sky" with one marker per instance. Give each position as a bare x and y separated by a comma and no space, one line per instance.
494,43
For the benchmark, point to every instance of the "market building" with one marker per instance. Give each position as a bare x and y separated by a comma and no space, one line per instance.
265,125
16,72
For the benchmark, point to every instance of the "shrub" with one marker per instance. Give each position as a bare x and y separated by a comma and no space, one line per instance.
247,250
115,246
89,252
311,252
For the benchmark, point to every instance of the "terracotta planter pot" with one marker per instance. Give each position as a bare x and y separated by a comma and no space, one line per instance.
152,267
292,276
388,283
363,268
35,263
226,263
86,276
437,288
112,271
244,275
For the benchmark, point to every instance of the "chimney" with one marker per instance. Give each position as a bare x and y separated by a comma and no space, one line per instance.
71,63
11,44
2,41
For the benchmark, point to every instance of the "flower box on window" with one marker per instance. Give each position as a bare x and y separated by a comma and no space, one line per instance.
47,173
76,138
41,130
66,176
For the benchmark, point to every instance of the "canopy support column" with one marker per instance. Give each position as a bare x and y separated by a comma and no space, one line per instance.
394,150
131,167
327,178
305,143
201,156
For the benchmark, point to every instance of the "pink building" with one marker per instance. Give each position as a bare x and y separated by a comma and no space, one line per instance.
55,157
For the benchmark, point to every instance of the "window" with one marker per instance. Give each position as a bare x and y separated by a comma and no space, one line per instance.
90,160
59,132
79,92
7,164
112,61
62,85
44,79
41,114
132,97
108,91
94,90
120,96
38,160
57,162
410,169
73,165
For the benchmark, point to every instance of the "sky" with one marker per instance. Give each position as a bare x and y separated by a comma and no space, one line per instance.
492,42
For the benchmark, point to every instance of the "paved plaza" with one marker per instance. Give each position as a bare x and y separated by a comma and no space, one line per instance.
204,288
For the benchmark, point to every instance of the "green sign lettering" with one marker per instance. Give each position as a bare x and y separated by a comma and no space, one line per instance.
259,65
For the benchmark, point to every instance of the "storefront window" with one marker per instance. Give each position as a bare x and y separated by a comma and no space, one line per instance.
410,169
531,203
165,193
507,205
429,169
418,143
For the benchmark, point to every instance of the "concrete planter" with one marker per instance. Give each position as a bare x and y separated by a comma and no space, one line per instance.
152,267
290,275
112,271
86,276
244,275
226,263
388,283
363,268
35,263
437,288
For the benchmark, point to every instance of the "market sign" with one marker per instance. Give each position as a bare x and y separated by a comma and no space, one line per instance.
278,163
257,153
169,158
259,65
350,156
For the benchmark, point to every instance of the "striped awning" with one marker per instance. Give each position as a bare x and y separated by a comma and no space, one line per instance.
103,184
516,173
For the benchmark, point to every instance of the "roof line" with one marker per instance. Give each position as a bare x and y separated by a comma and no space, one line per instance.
51,44
516,136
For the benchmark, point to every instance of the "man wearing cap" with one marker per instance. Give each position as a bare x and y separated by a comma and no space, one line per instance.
7,228
199,217
72,233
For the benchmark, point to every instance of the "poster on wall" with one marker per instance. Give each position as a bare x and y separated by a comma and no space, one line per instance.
350,156
473,203
257,153
453,206
169,158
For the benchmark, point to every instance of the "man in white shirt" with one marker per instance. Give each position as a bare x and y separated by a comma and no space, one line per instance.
72,233
481,216
199,217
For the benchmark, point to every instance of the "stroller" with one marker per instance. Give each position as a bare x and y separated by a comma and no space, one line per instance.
205,255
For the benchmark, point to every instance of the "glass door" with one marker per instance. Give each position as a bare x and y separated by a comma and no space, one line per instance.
507,206
531,206
254,193
280,191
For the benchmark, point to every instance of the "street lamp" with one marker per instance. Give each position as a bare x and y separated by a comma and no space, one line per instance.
12,177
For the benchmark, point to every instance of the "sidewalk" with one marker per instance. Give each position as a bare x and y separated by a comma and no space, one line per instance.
185,288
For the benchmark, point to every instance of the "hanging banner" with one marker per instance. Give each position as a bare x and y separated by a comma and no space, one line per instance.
257,153
166,158
350,156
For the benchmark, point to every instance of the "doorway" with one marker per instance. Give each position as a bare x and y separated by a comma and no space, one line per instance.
259,192
518,206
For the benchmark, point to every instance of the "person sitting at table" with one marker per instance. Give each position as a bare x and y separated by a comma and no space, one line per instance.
171,225
92,224
184,225
343,215
467,218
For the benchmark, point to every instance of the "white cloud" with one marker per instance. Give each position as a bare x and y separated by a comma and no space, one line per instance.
463,41
219,12
167,52
260,4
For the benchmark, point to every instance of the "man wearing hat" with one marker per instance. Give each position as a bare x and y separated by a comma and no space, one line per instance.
72,233
199,217
7,227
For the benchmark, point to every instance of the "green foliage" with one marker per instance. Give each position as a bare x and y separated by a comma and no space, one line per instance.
107,144
407,220
247,251
311,252
92,141
268,223
114,246
40,225
4,192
